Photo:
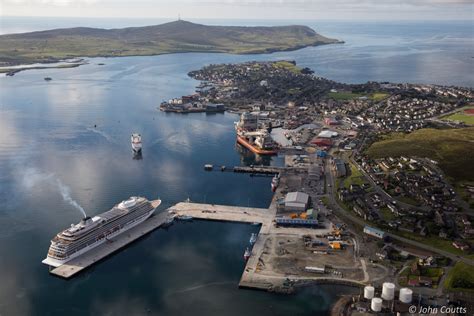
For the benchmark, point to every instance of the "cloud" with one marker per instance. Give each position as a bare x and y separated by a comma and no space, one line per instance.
249,9
291,3
51,2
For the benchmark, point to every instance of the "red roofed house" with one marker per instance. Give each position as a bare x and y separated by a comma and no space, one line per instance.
330,121
322,142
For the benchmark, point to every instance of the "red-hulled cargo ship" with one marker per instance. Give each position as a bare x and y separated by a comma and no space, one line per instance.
256,140
241,140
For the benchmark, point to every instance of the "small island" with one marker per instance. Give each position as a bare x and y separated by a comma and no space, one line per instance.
173,37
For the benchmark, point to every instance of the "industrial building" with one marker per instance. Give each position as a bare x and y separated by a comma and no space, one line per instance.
284,221
215,107
327,134
322,142
314,173
339,167
321,153
296,201
331,121
315,269
374,232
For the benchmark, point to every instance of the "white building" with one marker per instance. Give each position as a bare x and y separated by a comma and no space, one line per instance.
296,201
327,134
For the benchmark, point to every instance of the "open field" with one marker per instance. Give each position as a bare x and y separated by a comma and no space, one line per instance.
173,37
346,95
287,65
378,96
461,116
355,177
451,148
342,95
460,278
435,241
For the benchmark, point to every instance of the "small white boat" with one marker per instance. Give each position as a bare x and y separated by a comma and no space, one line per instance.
253,238
247,254
275,182
184,217
136,142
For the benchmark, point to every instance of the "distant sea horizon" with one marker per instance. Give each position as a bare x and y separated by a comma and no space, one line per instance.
10,24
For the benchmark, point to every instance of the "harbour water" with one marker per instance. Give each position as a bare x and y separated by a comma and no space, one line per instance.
71,135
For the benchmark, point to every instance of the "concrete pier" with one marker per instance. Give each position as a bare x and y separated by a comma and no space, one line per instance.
259,169
237,214
264,170
224,213
257,274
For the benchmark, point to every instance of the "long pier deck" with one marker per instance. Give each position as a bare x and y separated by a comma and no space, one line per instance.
224,213
265,170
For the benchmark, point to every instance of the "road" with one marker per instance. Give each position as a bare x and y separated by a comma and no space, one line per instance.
354,219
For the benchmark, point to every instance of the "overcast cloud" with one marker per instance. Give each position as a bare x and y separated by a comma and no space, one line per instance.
251,9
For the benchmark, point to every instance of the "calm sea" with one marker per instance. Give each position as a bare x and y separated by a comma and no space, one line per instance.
48,143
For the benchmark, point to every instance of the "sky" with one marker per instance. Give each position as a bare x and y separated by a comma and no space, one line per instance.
246,9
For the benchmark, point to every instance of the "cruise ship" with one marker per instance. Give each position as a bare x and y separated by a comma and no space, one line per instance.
136,142
91,232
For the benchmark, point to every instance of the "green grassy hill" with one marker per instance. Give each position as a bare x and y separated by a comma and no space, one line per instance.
178,36
452,148
460,278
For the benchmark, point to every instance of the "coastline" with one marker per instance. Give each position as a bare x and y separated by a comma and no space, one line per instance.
11,70
6,69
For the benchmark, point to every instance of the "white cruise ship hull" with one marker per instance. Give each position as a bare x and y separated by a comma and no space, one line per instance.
56,263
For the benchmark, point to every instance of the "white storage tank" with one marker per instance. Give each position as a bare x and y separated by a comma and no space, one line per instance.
406,295
388,291
369,292
376,304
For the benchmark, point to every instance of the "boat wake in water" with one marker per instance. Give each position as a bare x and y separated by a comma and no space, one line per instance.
200,286
102,133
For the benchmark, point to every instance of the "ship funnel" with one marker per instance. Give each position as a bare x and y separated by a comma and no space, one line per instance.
86,220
